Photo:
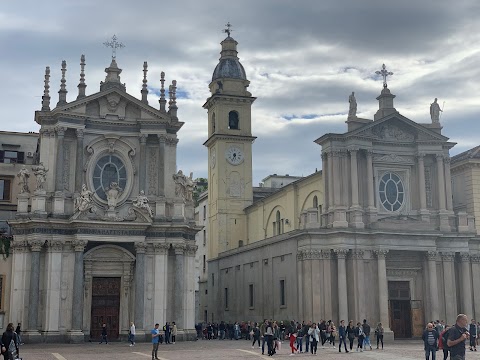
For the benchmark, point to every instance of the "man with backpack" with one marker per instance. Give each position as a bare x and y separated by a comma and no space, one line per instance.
456,338
442,342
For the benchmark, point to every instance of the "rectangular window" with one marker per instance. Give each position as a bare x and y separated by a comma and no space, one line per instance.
204,212
274,228
12,157
5,189
204,237
282,293
2,292
205,317
213,279
204,263
250,296
226,298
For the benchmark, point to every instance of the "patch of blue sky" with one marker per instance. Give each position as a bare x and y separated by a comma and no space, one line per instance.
181,94
304,117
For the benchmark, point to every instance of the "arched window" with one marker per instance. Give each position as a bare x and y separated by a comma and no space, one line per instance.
315,202
240,243
213,122
233,120
278,223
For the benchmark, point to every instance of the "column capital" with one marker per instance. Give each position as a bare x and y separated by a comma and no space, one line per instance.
36,245
79,245
475,258
299,255
161,248
143,139
172,141
420,155
54,245
140,247
446,159
357,253
381,253
162,138
191,250
311,254
431,255
439,157
19,246
353,149
369,152
179,248
80,133
448,256
341,253
326,254
60,131
465,257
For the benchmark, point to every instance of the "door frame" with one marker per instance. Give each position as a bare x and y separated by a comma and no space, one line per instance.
109,330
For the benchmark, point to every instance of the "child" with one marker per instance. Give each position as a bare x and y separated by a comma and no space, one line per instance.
293,338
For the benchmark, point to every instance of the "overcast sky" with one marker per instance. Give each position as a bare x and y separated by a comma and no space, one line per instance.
303,59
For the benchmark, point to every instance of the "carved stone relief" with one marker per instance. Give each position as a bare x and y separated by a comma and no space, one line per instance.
66,165
392,132
428,186
152,172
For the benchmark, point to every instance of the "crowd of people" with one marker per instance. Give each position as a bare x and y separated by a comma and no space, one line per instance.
450,339
303,337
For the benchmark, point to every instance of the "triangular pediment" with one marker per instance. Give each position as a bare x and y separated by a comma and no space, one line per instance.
397,128
113,103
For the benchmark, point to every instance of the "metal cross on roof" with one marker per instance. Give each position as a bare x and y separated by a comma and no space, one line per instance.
228,30
384,74
114,44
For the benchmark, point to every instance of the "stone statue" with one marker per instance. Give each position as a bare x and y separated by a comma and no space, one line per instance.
189,187
23,174
141,203
352,111
113,193
41,174
435,111
85,201
180,184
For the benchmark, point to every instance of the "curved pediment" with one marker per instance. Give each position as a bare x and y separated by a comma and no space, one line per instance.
109,253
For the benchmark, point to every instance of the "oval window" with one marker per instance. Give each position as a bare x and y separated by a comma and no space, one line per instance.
391,192
108,169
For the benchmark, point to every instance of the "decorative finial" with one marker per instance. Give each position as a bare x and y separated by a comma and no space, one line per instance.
162,100
62,93
384,72
144,86
173,102
81,85
114,44
46,92
228,30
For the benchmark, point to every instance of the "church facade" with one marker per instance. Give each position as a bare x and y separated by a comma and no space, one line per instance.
107,233
374,235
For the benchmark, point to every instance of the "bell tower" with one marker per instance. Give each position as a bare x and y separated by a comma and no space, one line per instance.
229,151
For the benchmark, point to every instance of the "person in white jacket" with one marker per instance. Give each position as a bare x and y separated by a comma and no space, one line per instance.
314,333
131,334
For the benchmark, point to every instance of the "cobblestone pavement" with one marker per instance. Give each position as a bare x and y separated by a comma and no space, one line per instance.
214,349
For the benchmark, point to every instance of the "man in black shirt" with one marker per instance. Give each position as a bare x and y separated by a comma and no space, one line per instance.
456,338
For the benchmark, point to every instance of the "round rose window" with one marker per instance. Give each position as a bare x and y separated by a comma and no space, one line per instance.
392,192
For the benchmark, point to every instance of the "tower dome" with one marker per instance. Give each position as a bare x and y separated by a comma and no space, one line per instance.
229,66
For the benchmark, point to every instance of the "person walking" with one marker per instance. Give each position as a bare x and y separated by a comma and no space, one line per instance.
155,341
167,330
263,329
333,333
351,333
299,338
174,332
10,343
306,328
256,336
314,337
442,342
366,332
342,336
379,331
323,332
360,336
18,331
293,338
430,338
131,334
472,329
456,338
269,336
221,327
104,334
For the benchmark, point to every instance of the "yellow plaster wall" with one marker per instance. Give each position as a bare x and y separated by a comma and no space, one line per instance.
291,200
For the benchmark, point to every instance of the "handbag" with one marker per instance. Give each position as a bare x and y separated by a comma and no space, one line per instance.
12,350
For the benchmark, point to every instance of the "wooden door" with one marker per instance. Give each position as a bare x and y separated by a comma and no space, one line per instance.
105,307
400,308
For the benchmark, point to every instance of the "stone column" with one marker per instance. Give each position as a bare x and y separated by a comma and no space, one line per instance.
448,183
189,276
421,182
79,161
354,176
336,179
307,284
467,307
382,286
161,283
59,186
475,258
33,298
325,176
143,163
139,307
440,182
78,291
359,284
330,181
179,285
327,281
433,285
53,270
161,165
370,183
342,284
299,283
450,288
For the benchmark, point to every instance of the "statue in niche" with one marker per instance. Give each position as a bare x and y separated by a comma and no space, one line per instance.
180,184
141,203
85,201
435,111
40,173
23,175
352,111
113,193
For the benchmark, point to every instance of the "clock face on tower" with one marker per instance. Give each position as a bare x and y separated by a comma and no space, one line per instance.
234,155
